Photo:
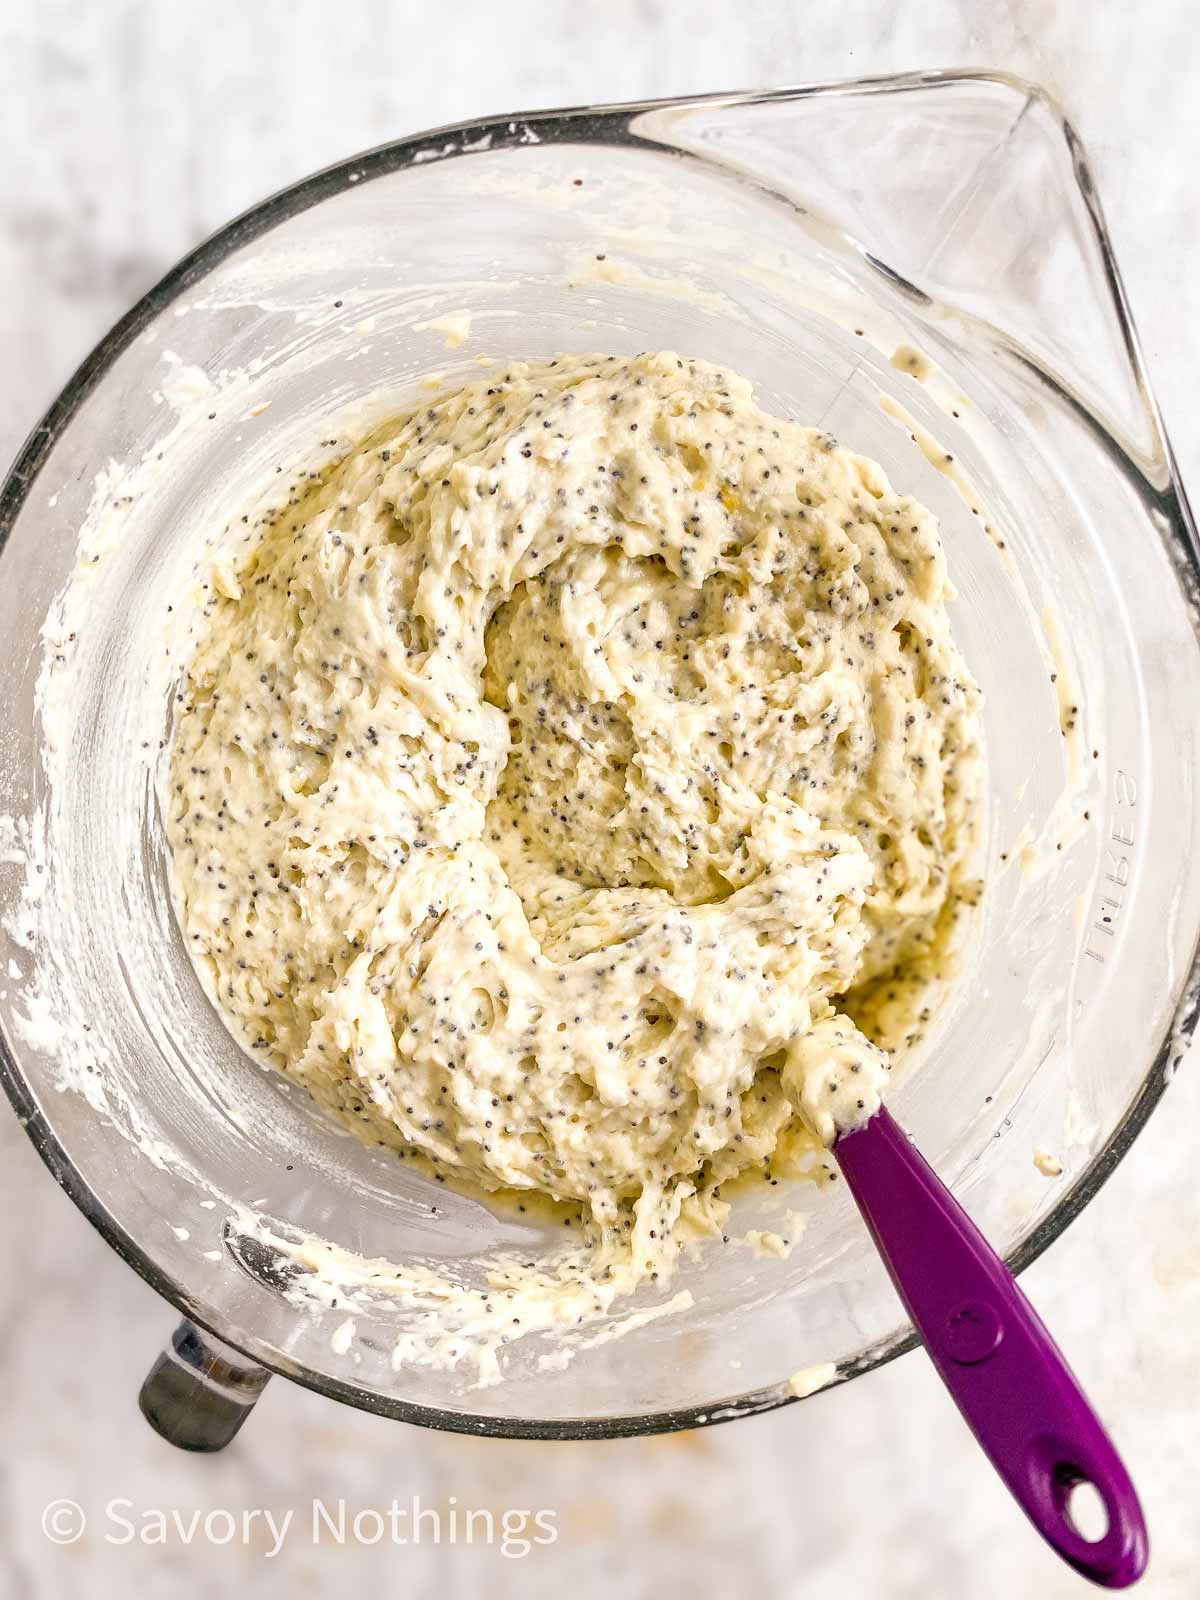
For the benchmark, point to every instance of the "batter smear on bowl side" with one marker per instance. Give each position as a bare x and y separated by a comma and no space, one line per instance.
578,784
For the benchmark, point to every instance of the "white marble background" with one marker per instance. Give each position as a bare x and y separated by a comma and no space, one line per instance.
128,132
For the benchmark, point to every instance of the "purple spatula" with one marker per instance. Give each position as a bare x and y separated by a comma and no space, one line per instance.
1006,1374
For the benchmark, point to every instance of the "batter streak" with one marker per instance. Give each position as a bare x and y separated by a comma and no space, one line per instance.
565,773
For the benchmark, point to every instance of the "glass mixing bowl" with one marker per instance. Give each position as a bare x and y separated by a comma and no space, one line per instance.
918,265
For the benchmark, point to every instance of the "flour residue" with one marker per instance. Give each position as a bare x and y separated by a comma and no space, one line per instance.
456,326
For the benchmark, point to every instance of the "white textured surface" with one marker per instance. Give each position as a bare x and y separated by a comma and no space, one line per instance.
129,132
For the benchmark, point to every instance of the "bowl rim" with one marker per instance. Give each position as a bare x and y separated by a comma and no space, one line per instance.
610,125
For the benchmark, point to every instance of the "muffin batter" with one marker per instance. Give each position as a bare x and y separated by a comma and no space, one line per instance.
566,776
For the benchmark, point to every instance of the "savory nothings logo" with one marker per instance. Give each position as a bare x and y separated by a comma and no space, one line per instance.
514,1531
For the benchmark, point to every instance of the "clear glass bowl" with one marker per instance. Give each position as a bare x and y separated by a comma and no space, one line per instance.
802,237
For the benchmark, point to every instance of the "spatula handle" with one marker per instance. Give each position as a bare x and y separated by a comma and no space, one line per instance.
1006,1374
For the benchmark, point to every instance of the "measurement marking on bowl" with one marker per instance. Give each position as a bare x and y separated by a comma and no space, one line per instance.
1117,867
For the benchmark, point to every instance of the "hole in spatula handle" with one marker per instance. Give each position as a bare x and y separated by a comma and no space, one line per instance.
1084,1507
1095,1524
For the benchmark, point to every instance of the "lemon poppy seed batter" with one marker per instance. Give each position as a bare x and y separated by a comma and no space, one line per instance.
571,778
